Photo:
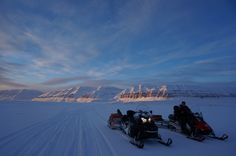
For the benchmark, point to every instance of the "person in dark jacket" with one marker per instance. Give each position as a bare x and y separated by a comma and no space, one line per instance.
176,113
186,118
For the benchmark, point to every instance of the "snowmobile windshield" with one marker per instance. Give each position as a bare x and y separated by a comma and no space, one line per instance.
142,114
143,109
143,117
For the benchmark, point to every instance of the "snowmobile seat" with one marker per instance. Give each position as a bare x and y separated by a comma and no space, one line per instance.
156,118
114,120
115,116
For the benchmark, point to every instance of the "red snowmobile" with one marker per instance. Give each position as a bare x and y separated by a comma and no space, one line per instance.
138,125
196,128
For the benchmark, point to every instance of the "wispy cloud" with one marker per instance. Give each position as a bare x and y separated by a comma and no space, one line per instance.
62,81
60,42
6,83
113,69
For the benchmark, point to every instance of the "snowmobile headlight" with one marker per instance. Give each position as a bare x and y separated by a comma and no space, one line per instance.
144,120
149,119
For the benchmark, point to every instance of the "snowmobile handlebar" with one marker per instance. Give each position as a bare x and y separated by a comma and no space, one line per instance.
145,112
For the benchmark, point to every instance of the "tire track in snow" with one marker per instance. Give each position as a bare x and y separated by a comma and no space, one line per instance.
73,150
87,142
50,144
27,132
119,133
94,124
73,132
64,140
71,135
106,140
36,146
84,140
32,139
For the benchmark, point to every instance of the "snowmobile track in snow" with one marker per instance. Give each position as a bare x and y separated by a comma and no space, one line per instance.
81,130
77,129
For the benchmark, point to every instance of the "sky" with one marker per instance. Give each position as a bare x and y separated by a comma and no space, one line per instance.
57,43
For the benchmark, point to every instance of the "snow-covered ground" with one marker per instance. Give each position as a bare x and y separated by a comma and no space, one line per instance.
80,129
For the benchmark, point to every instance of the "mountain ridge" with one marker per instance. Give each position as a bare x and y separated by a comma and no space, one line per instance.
81,93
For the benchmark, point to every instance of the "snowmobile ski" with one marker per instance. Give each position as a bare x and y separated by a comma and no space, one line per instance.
196,138
166,143
223,137
139,144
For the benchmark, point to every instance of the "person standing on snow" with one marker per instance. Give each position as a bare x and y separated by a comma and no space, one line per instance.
186,118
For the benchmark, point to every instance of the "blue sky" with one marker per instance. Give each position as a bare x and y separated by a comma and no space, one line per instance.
50,44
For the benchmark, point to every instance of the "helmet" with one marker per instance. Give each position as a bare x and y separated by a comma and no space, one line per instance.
176,107
183,103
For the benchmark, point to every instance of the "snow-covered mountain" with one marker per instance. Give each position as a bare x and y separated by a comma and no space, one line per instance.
74,94
88,94
107,93
186,90
201,91
149,94
79,94
18,95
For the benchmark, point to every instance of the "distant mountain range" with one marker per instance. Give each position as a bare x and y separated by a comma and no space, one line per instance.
88,94
201,91
19,95
79,94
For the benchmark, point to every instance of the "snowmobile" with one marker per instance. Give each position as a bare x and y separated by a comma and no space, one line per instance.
199,130
138,125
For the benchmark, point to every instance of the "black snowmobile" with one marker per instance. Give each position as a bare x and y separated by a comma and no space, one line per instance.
193,125
138,125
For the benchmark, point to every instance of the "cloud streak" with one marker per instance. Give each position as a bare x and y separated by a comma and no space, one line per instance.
62,42
62,81
7,83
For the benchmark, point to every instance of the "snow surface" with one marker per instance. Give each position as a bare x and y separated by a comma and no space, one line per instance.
80,129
